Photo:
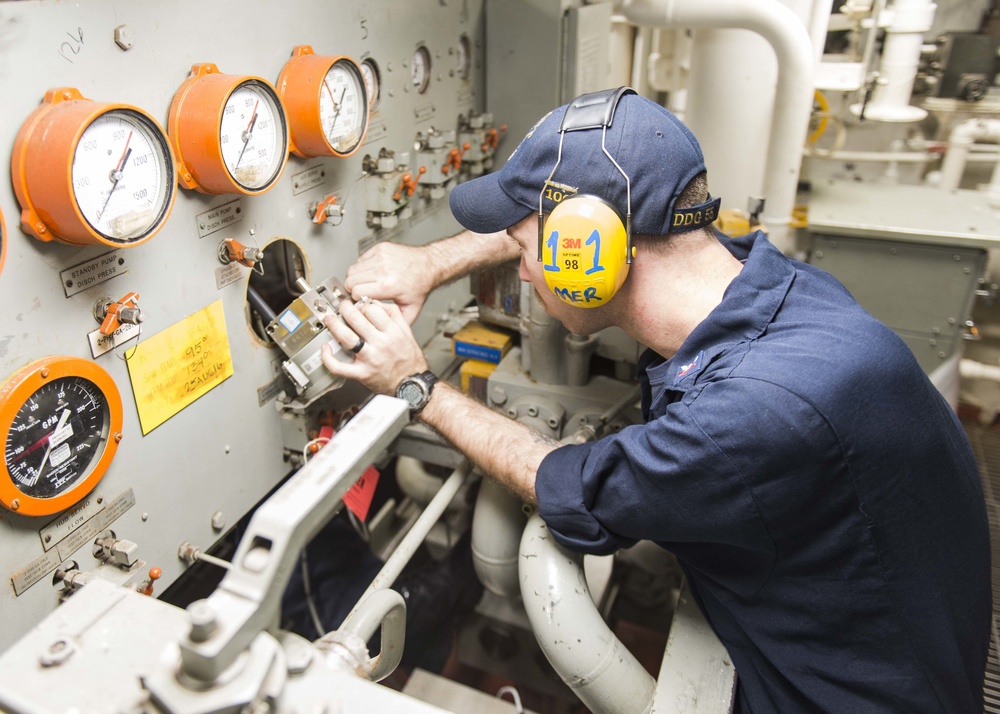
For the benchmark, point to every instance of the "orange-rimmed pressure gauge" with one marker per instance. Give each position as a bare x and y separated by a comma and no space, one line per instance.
60,424
229,132
327,103
88,172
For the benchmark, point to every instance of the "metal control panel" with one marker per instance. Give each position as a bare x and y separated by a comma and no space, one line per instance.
163,159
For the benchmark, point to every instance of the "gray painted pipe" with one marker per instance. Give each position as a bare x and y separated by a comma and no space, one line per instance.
385,609
571,632
496,534
547,338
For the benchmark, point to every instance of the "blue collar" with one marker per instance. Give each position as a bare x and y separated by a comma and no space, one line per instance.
747,309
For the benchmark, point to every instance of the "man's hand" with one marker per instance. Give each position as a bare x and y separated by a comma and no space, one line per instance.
389,353
391,271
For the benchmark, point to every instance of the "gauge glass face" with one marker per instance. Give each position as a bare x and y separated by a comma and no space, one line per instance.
343,107
370,74
420,69
56,436
123,178
462,58
253,135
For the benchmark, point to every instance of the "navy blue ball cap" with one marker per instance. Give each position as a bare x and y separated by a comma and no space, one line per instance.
658,153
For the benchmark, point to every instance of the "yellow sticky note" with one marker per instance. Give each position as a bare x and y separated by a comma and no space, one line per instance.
173,368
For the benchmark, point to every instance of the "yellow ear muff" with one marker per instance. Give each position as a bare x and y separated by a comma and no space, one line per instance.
584,251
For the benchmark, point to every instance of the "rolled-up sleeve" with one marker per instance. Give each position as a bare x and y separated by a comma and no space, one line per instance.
669,480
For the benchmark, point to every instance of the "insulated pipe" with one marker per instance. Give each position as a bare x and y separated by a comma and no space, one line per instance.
497,524
819,23
960,141
793,97
901,50
577,642
385,609
970,369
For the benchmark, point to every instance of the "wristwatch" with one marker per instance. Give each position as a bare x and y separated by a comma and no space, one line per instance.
416,390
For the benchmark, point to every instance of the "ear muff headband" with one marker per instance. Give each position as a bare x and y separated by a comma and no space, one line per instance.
585,251
586,223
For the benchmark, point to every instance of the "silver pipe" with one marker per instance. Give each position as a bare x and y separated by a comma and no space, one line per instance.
408,546
384,609
581,647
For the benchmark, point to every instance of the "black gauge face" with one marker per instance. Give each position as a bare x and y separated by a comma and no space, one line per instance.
56,435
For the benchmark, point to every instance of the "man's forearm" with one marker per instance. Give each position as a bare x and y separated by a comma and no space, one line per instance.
455,257
502,448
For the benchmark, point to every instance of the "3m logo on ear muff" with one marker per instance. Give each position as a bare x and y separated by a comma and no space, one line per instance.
584,251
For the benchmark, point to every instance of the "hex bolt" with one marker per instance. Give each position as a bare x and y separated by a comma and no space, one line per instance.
124,37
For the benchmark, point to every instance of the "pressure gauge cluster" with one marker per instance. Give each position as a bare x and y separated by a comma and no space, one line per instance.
60,424
87,172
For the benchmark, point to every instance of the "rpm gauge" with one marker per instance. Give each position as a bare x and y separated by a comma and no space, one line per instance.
60,424
229,132
327,103
91,173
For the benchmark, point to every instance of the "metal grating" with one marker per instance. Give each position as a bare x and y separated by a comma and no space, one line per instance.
986,444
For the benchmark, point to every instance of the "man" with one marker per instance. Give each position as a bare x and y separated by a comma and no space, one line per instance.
816,488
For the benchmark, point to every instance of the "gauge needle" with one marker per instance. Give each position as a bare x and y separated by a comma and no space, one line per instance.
338,105
62,423
248,133
116,174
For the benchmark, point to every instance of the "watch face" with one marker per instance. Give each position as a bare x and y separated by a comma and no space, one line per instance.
411,392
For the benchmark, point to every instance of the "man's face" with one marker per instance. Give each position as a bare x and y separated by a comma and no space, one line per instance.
577,320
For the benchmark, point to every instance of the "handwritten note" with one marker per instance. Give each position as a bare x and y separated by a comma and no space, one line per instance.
173,368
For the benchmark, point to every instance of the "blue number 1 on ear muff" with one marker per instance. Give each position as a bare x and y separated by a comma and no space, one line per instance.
585,251
584,245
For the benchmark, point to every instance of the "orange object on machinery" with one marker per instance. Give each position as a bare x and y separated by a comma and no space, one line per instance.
59,163
211,125
123,311
320,124
3,241
60,424
408,184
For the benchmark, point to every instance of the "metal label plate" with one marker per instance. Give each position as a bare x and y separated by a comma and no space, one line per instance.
93,272
70,521
215,219
102,344
227,275
305,180
35,571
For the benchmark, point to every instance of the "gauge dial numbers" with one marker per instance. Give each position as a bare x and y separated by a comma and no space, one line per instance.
373,81
327,103
119,182
420,69
229,132
60,424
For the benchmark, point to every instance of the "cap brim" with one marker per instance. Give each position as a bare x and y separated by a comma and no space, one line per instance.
482,206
